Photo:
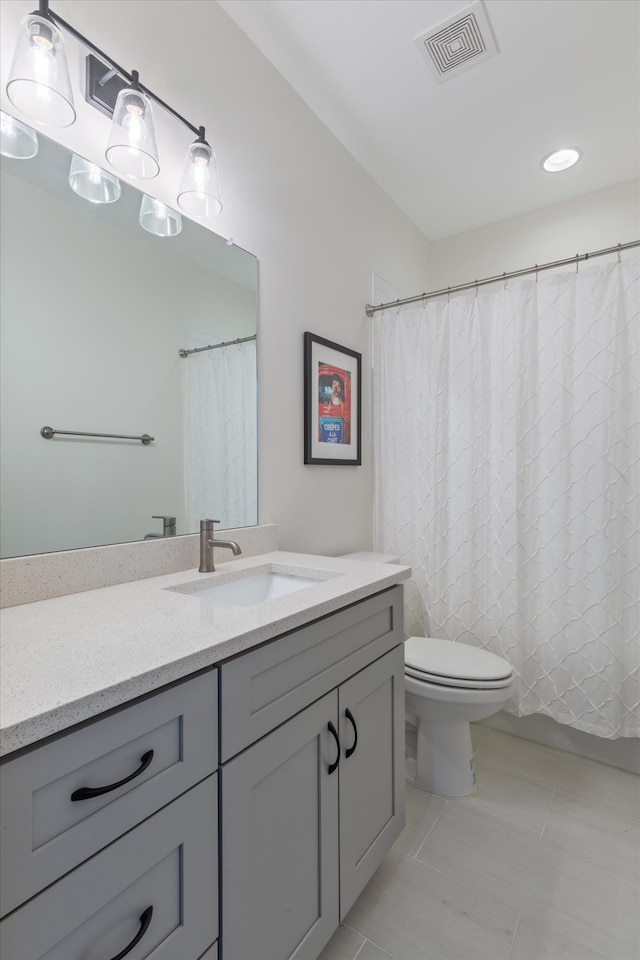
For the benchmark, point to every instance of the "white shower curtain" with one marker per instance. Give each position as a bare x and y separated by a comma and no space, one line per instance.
507,475
221,435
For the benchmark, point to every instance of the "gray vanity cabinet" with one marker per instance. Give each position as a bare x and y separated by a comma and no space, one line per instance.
310,809
291,753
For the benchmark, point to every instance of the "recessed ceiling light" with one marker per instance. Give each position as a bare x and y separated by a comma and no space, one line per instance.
561,159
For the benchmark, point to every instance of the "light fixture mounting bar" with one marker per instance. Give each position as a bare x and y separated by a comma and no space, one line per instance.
104,104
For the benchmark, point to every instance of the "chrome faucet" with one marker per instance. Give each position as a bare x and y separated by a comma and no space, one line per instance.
207,543
168,528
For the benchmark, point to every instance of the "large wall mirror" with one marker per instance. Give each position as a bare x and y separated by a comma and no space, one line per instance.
95,311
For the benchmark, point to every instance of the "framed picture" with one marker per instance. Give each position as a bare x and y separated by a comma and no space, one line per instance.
332,397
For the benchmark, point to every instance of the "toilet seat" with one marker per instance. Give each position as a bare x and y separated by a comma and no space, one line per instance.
446,663
458,683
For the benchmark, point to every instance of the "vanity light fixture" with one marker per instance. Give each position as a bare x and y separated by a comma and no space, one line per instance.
561,159
92,183
16,139
39,86
157,218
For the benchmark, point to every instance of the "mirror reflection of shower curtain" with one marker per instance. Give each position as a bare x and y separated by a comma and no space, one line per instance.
221,468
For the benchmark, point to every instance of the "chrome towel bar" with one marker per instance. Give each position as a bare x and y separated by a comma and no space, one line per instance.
49,432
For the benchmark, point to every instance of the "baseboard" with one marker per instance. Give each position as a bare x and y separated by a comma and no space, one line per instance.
623,752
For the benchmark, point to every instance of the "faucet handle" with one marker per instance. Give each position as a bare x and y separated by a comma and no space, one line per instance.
207,524
168,524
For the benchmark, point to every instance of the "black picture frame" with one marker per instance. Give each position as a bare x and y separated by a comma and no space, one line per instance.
332,403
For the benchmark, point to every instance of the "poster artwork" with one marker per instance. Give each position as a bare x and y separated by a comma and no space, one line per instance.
334,404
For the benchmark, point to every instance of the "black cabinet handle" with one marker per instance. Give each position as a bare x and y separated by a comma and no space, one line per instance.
85,793
334,733
353,746
145,920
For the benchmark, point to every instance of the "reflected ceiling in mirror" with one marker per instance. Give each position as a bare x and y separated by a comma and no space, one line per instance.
94,312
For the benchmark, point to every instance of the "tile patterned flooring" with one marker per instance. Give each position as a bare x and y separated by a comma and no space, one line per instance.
543,863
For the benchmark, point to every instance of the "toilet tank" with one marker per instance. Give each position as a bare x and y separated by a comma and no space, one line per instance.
369,557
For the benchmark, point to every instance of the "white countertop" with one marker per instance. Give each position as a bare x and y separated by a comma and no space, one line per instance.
67,659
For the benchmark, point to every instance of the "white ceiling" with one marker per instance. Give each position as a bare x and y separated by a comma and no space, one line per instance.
465,152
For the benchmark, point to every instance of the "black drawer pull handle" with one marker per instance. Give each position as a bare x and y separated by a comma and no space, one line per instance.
145,920
353,746
86,793
334,733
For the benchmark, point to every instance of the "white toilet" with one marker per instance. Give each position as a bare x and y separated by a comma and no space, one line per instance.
448,685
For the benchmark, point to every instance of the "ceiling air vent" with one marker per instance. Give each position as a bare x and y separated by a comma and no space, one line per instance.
459,43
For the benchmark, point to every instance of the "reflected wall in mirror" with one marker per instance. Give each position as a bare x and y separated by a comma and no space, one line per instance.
94,313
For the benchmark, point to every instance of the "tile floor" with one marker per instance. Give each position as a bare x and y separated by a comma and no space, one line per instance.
543,863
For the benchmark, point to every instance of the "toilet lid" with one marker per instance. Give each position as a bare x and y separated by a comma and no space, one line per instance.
455,664
457,683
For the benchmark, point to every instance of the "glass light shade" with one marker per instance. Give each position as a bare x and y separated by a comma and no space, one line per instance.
16,139
39,84
199,192
157,218
92,183
132,143
561,159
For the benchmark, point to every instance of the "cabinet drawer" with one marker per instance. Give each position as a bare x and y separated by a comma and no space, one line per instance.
168,864
264,687
46,833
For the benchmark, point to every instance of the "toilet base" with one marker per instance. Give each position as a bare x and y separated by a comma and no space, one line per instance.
444,761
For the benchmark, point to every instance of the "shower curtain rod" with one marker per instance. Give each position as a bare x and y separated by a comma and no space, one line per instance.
370,309
215,346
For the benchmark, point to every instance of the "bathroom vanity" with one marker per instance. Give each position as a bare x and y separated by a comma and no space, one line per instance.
188,777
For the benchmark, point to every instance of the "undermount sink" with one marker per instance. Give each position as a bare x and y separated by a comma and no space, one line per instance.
249,590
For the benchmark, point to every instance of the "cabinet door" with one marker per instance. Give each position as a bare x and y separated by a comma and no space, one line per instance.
280,841
372,789
211,953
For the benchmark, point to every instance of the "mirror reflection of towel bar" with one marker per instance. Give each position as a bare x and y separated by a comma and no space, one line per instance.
49,432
